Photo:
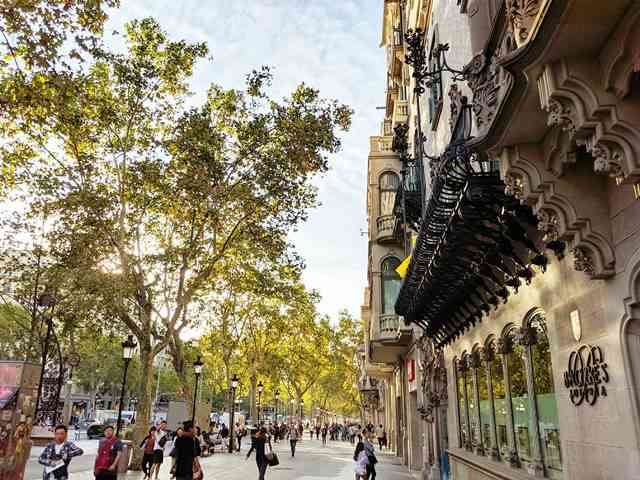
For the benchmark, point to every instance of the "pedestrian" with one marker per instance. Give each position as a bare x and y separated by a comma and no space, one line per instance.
324,432
380,435
160,436
147,446
258,443
57,456
362,461
109,452
293,440
371,455
185,453
240,432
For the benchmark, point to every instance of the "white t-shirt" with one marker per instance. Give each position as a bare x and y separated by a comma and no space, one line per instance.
58,448
159,435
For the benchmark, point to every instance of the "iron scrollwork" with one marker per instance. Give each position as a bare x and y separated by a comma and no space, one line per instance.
434,379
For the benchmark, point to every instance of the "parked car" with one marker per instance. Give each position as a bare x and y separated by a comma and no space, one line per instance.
96,431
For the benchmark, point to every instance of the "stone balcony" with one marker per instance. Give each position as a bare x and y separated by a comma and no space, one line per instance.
385,226
389,338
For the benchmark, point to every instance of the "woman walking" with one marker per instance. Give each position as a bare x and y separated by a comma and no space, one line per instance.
293,440
362,462
259,442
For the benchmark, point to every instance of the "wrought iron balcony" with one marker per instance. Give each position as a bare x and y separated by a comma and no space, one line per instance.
408,204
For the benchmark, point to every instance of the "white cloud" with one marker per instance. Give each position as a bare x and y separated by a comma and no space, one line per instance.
329,45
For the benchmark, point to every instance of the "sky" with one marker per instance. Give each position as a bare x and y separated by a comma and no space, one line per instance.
330,45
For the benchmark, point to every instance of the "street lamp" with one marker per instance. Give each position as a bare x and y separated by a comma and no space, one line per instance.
197,369
128,347
260,390
234,385
277,396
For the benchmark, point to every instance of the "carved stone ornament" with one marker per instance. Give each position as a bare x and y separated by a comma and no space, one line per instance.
475,359
514,186
505,345
528,336
582,262
457,100
548,224
561,116
606,160
488,353
521,16
485,83
434,378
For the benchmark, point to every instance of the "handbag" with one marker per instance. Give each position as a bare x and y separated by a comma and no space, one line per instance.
197,470
272,459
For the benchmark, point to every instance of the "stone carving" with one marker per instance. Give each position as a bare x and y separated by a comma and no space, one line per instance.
513,186
521,16
475,359
606,160
434,378
582,262
505,345
548,224
561,116
457,100
485,84
528,336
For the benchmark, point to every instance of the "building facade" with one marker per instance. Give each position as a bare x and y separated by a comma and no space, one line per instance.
523,133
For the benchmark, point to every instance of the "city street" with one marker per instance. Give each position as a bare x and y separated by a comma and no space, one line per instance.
312,462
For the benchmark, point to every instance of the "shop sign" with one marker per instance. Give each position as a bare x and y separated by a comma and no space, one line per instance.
586,375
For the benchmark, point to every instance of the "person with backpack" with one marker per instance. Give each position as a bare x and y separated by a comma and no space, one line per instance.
186,451
147,445
57,456
371,455
362,461
109,452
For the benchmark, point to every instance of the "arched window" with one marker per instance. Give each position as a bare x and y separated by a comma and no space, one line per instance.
548,422
388,185
391,283
519,397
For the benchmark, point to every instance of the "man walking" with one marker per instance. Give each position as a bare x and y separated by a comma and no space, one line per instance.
57,455
109,452
186,451
293,440
160,440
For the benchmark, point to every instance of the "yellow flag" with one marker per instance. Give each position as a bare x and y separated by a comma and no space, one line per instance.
402,268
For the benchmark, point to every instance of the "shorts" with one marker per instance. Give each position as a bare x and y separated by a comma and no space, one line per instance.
106,475
158,457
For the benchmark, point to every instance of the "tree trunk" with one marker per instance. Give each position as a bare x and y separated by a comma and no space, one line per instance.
253,411
179,364
145,400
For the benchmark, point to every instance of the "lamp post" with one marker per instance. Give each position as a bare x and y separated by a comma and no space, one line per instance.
128,347
277,396
260,390
197,369
234,386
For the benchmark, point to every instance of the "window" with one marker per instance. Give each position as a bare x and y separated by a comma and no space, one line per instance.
462,409
526,414
391,283
545,396
388,187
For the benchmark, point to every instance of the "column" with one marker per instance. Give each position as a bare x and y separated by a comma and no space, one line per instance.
488,357
437,448
458,413
528,338
465,371
476,363
505,347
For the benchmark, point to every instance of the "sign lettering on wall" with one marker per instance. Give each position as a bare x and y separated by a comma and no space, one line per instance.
586,375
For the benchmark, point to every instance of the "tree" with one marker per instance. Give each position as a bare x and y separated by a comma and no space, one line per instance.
148,198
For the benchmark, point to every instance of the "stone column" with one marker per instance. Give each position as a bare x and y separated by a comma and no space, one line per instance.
465,371
488,356
505,347
528,338
458,413
476,363
437,448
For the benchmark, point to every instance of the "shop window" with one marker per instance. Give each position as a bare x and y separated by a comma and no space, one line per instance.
485,407
548,421
389,182
460,369
519,398
391,283
497,384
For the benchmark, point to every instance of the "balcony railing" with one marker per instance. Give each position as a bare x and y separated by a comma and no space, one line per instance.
389,324
380,144
385,225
